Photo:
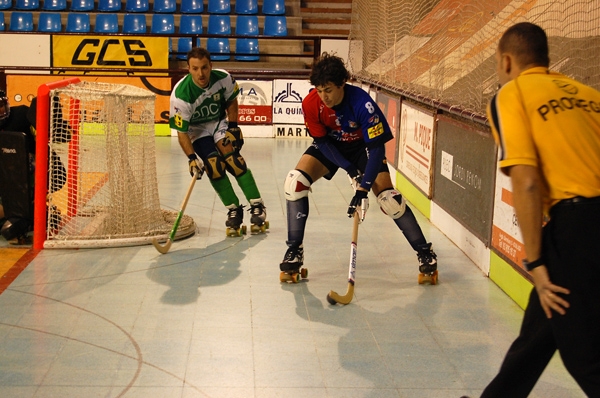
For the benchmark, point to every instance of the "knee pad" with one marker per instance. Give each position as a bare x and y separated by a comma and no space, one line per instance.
215,166
296,186
235,163
392,203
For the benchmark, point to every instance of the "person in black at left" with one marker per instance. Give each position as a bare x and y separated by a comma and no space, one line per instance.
17,220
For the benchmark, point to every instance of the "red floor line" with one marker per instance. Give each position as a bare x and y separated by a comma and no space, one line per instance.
16,269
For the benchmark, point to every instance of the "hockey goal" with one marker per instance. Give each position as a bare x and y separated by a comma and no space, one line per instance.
96,182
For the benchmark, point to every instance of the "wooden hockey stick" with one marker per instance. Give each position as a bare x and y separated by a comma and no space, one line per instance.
164,249
333,297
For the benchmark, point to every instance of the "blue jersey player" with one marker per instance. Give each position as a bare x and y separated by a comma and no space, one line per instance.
349,132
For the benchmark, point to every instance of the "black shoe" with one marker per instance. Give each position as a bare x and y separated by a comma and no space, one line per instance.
293,259
427,259
257,211
235,216
15,228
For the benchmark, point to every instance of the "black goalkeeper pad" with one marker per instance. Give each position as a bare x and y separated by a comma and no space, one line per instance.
15,187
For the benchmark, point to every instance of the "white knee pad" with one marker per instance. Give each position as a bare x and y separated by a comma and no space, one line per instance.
296,186
392,203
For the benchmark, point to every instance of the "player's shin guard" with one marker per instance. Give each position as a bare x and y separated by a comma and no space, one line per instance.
297,213
223,188
248,185
410,228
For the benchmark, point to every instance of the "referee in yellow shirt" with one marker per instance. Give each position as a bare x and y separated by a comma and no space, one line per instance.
547,126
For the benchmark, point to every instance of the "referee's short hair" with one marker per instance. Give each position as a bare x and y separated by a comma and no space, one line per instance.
527,42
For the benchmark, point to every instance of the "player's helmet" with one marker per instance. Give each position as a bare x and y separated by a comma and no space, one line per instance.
4,107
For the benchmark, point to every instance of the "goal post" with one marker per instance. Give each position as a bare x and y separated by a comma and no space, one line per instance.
96,182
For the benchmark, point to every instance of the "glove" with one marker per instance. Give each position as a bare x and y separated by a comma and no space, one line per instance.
235,136
361,201
195,164
355,178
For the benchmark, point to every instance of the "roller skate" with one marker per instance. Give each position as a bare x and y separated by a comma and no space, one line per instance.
235,217
427,265
258,216
290,267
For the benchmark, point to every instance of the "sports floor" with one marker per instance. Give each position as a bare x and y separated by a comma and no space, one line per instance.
211,319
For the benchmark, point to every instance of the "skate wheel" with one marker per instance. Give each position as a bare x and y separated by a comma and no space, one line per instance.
283,277
236,232
432,278
255,229
303,273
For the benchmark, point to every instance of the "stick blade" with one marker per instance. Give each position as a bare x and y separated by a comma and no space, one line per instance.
334,298
162,249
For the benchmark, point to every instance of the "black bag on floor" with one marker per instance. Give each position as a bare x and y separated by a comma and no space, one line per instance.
15,183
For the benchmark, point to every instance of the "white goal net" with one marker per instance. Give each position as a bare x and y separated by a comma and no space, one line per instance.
103,188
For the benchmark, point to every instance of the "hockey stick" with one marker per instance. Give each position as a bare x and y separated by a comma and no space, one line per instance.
164,249
333,297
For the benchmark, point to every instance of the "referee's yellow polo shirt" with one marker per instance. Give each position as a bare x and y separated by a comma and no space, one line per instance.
551,121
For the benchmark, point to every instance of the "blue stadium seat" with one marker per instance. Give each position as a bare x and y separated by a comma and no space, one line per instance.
135,23
246,25
162,23
218,25
109,6
5,4
82,5
164,6
54,5
137,5
192,6
244,47
28,5
49,22
273,7
275,25
246,7
78,22
21,21
188,24
218,48
219,6
1,21
106,23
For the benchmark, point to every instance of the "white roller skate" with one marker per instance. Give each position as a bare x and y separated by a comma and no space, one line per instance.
290,267
235,217
258,216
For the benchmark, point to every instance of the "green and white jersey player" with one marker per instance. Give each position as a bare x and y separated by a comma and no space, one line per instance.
204,112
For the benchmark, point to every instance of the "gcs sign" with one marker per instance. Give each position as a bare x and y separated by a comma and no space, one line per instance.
102,52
